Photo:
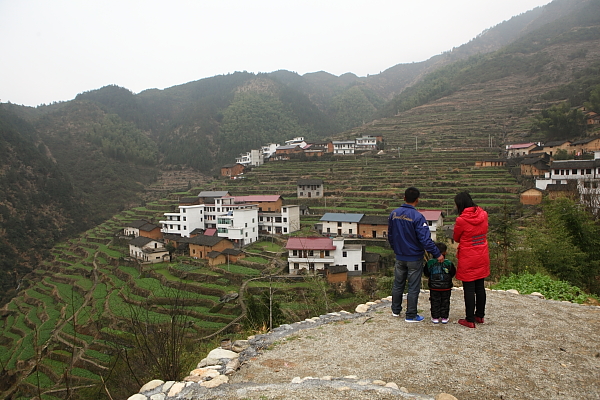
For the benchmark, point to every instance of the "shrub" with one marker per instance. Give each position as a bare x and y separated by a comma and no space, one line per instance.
551,288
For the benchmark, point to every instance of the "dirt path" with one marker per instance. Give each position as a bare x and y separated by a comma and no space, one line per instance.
528,348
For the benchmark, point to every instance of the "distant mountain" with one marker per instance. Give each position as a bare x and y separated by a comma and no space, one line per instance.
102,149
38,203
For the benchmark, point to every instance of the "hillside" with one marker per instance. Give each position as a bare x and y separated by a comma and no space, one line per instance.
114,150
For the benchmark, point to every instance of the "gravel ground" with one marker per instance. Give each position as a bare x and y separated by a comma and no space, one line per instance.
528,348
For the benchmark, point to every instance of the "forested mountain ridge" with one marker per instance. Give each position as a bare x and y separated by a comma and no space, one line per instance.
107,145
35,197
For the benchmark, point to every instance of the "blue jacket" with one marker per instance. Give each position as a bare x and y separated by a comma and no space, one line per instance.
408,234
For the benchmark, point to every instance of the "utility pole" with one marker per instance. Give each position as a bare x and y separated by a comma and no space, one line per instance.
416,143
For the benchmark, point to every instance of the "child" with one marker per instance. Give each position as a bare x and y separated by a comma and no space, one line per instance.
440,285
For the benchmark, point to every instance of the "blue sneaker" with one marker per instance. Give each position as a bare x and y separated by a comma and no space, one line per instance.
417,318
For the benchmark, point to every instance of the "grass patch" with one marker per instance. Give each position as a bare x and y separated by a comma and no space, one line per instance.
551,288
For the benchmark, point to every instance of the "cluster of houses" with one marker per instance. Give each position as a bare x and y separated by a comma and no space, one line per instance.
296,147
554,178
215,226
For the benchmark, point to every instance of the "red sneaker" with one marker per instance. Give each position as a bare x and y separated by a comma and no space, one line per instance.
479,320
466,323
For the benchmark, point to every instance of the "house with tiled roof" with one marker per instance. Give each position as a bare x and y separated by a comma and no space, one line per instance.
340,224
533,167
231,170
316,254
148,250
309,188
142,227
519,149
435,220
200,246
373,226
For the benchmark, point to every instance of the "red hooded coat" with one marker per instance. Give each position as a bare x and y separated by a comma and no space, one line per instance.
470,231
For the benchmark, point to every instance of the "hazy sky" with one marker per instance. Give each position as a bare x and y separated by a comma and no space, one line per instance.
54,49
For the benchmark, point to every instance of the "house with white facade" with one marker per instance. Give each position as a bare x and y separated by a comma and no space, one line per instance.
252,158
313,254
273,215
237,218
284,222
343,146
133,228
366,143
435,220
269,150
237,222
564,171
340,224
148,250
297,141
582,174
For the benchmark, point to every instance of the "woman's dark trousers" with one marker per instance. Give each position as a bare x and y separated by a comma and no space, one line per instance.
474,299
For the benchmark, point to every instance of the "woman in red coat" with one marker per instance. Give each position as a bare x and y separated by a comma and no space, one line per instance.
470,232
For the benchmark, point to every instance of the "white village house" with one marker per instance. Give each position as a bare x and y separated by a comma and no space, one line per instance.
313,254
148,250
339,224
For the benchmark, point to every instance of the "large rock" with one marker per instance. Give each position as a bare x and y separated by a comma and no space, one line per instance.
137,396
240,345
205,373
176,388
151,385
220,353
213,383
362,308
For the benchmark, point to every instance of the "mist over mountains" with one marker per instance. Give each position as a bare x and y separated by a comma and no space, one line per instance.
70,165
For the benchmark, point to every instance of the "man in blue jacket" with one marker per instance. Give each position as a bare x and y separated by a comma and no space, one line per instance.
408,234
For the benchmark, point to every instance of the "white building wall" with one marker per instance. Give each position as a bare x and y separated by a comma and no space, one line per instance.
241,226
185,221
347,228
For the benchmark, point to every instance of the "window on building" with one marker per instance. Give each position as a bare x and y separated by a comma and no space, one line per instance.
284,230
344,254
184,227
184,218
183,209
296,265
326,253
311,253
339,224
350,231
294,252
356,267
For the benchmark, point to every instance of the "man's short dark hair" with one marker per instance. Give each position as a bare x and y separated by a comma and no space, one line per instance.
411,194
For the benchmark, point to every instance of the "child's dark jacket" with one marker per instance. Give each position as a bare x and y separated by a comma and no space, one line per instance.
440,274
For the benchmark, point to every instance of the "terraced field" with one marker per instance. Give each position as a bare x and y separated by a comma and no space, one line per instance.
374,184
62,330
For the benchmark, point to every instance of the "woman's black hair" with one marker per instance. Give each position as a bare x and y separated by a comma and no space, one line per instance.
463,200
